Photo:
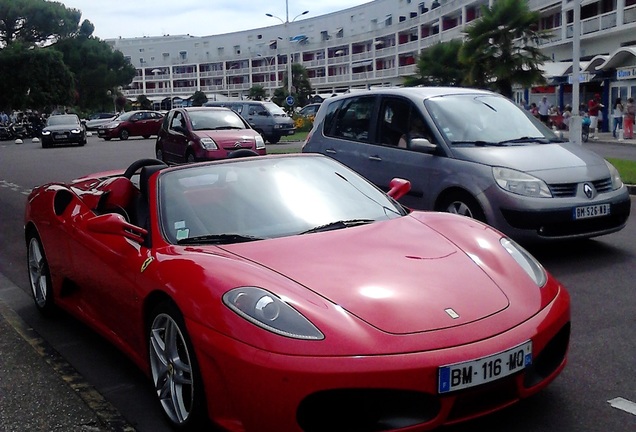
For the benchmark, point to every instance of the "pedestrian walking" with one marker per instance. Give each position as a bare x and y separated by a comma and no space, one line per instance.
618,117
630,112
544,110
593,109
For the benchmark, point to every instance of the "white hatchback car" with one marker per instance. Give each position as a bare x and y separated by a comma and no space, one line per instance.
475,153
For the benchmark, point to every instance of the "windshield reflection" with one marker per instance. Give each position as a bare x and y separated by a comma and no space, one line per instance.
486,120
266,198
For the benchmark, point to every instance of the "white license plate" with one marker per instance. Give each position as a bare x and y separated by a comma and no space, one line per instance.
484,370
591,211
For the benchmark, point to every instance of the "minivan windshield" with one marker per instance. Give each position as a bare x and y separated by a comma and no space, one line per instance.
471,119
274,109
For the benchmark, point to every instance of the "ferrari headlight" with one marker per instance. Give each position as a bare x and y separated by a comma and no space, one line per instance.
527,262
260,143
268,311
617,182
209,144
520,183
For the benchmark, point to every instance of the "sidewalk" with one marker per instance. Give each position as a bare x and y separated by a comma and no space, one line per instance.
40,391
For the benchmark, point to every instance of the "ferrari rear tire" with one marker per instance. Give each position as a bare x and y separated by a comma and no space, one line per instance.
174,369
39,276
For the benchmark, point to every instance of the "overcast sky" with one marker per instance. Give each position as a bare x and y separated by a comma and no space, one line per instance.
138,18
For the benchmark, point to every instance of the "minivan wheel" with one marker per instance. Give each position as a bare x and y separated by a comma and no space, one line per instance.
462,203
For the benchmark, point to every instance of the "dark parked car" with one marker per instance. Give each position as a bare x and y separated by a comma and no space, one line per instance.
205,133
474,153
63,129
133,123
267,118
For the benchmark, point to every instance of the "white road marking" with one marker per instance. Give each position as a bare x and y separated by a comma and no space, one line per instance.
623,404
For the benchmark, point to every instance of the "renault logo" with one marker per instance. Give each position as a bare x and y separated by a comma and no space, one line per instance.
588,190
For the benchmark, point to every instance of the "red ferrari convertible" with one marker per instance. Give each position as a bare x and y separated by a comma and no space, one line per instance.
287,293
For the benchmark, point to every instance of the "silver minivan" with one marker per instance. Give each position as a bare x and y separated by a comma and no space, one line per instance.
474,153
267,118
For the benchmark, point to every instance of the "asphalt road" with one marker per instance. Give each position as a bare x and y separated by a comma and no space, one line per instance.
599,274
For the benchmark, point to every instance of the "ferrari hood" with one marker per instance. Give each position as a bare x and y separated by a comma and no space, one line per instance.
399,276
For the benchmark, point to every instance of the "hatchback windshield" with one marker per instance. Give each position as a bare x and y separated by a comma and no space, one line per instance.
213,119
486,119
258,198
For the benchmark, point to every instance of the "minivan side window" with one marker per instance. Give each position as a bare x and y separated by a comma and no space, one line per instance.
401,121
353,120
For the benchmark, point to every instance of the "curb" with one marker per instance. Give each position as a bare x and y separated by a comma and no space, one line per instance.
106,413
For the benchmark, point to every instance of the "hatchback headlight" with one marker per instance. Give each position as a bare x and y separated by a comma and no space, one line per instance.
617,182
520,183
209,144
527,262
268,311
260,142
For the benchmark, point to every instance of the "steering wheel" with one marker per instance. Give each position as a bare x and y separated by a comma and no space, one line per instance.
136,165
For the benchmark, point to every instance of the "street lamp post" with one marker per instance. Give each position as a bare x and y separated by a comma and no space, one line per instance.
289,52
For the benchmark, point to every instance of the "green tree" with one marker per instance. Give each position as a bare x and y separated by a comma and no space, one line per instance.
144,102
96,68
199,98
257,93
439,65
34,78
501,48
301,88
35,22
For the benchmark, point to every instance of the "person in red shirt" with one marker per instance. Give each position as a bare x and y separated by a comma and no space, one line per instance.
593,108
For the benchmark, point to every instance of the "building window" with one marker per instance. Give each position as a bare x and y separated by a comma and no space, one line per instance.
183,55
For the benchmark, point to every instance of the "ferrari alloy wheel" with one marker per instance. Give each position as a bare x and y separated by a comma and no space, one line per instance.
39,277
174,369
463,204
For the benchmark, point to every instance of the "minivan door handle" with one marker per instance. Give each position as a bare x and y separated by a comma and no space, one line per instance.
330,150
375,158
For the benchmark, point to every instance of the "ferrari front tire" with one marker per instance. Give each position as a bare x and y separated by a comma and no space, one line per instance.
174,369
39,276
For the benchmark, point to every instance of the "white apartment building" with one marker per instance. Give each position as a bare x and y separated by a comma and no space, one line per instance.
377,44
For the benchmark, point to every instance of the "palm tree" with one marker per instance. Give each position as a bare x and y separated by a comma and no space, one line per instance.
439,65
501,48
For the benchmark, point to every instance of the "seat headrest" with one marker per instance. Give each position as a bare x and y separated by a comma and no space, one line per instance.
144,177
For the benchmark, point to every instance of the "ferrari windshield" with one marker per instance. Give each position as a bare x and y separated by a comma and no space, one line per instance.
471,119
256,198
